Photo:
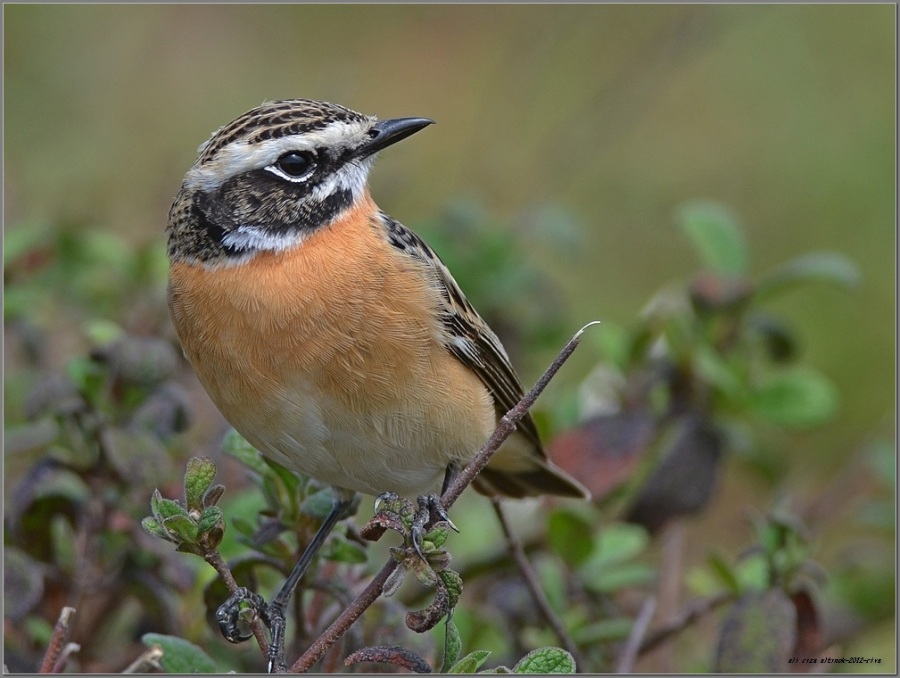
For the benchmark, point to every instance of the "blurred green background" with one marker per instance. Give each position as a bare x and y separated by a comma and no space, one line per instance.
577,131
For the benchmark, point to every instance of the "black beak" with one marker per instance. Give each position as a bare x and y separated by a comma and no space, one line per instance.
388,132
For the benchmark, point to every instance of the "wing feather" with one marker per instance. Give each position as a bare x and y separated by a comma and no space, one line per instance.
466,335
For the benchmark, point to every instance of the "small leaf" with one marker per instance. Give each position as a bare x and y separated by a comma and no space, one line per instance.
813,267
452,645
724,572
471,662
716,236
394,581
212,496
197,480
243,526
235,445
179,655
800,398
182,527
437,535
571,536
617,543
344,551
395,655
166,508
318,505
454,585
210,519
758,634
152,526
425,620
546,660
620,577
618,628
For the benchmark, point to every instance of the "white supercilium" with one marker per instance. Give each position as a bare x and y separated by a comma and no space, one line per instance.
239,157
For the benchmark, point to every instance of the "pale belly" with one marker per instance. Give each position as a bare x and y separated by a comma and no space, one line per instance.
406,450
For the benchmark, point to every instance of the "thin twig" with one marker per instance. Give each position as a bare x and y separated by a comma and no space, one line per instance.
57,640
534,586
692,612
507,424
505,428
67,651
632,647
668,590
149,660
340,625
215,559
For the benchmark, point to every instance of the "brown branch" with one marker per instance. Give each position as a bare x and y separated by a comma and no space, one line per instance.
57,640
690,614
534,586
507,424
344,621
638,630
505,428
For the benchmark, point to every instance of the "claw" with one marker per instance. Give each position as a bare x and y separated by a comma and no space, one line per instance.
431,511
232,612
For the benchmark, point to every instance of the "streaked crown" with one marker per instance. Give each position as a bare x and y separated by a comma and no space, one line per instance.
272,176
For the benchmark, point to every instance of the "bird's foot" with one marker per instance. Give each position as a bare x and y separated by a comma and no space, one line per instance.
430,512
235,615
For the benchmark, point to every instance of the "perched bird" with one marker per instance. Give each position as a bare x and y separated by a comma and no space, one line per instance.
328,334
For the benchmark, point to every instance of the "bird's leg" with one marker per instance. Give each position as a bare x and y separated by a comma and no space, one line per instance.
272,614
431,511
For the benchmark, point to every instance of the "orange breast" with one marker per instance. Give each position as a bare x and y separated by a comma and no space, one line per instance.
326,358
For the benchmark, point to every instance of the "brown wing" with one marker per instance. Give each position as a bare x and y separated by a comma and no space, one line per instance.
470,339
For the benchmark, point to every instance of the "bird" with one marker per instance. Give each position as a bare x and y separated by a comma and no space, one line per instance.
328,334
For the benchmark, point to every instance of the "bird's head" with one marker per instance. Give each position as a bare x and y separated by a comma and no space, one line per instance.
268,179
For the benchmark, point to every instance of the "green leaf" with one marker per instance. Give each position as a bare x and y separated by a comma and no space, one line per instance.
618,628
210,519
289,479
235,445
452,645
471,662
166,508
619,542
318,505
757,634
800,398
18,240
571,536
179,655
344,551
830,267
197,480
718,372
437,536
724,572
181,526
101,331
546,660
87,375
454,584
609,580
152,526
716,236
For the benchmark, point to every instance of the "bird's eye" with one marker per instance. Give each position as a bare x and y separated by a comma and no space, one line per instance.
294,165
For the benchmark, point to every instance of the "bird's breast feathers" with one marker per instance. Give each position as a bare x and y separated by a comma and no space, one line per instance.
331,358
